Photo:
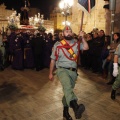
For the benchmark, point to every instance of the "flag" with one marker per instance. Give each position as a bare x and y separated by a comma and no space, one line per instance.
86,5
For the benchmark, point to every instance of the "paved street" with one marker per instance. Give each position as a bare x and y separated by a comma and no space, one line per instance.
29,95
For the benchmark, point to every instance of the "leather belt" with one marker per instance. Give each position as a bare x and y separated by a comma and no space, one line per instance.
72,69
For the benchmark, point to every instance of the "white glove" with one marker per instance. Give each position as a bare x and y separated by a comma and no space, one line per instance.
115,69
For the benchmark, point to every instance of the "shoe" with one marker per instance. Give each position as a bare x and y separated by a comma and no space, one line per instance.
66,114
113,96
78,109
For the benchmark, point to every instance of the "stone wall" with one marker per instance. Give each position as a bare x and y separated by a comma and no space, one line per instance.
95,19
33,11
4,13
99,18
117,17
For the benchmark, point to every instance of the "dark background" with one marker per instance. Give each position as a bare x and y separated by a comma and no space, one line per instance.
45,6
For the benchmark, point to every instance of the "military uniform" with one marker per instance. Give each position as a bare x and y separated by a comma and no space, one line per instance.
116,84
65,53
66,69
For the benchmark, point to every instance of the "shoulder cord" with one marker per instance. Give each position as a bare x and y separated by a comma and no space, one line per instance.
61,47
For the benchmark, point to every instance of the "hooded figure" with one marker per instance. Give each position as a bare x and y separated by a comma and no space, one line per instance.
25,4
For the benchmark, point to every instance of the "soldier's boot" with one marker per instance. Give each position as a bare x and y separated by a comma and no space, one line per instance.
113,94
78,109
66,114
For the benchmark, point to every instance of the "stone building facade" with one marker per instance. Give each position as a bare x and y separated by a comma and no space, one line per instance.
117,17
108,19
4,13
59,19
99,18
96,19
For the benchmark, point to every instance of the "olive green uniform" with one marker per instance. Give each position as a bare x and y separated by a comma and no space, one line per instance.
116,84
66,71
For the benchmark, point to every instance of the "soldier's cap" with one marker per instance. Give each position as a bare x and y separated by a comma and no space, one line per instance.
67,27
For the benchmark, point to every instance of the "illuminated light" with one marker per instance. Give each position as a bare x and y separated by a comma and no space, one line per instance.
37,20
65,6
66,23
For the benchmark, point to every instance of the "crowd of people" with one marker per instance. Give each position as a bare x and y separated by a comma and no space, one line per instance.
33,49
100,56
36,49
26,49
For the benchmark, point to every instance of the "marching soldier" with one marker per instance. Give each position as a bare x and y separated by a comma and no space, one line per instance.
116,72
64,55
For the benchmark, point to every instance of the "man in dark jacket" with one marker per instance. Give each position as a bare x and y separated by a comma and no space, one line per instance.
38,46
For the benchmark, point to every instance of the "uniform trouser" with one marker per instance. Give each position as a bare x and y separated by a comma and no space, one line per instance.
68,80
116,84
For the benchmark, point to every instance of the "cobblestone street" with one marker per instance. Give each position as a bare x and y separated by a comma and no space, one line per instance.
29,95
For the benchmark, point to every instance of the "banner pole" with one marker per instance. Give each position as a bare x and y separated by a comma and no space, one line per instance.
81,25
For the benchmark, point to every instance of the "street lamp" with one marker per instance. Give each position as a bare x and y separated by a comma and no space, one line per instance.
65,6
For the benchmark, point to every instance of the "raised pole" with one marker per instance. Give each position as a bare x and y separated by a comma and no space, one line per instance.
112,9
81,25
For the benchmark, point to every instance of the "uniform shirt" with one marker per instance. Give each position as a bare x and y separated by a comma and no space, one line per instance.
117,52
63,61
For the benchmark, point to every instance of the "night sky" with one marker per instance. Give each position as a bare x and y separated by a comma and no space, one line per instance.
43,5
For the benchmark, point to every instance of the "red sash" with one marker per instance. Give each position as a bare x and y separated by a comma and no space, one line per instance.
69,49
